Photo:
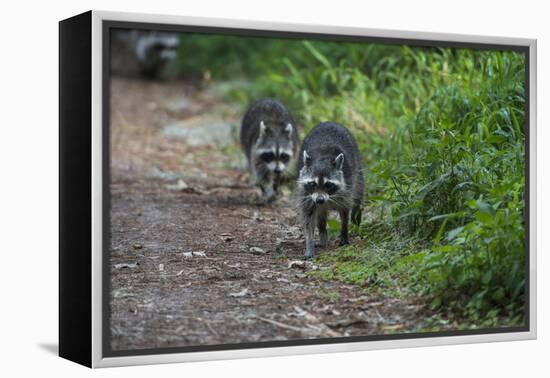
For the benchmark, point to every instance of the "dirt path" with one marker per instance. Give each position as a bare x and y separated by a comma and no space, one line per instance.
195,260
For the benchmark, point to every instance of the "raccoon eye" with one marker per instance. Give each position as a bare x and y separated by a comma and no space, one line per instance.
309,186
330,187
284,158
267,157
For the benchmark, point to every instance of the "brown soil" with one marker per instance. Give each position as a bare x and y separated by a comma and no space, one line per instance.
186,226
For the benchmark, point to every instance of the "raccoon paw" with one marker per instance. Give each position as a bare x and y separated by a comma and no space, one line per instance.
309,254
268,195
270,199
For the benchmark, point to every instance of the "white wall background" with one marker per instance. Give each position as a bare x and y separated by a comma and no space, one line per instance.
28,200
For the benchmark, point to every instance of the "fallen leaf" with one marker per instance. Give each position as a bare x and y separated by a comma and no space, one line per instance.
193,254
257,217
126,265
227,237
298,312
358,299
302,264
257,251
182,186
240,294
179,185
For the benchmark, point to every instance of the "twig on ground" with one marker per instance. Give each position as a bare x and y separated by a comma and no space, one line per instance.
319,330
209,326
281,325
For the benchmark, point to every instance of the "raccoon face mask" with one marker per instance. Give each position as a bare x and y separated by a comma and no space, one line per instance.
322,180
274,147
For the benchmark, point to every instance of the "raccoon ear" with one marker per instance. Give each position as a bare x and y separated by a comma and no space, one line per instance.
262,128
339,161
307,158
289,129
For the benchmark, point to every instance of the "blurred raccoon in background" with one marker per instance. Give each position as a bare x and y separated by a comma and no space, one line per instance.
330,177
269,139
142,53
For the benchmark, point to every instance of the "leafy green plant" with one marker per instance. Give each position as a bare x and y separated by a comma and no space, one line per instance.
441,132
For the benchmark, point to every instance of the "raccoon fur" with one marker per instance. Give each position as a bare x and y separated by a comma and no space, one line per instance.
330,177
269,139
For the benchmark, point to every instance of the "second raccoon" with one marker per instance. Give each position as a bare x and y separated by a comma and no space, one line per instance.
269,139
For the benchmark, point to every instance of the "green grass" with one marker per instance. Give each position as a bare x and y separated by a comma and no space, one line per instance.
441,132
371,262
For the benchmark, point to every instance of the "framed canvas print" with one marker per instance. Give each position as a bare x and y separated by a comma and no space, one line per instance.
234,189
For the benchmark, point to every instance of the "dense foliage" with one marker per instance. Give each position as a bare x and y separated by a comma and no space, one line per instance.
442,135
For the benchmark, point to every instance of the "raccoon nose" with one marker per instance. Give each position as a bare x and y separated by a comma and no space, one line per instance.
320,200
277,170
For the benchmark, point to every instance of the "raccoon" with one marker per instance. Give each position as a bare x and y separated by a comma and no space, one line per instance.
269,139
330,177
140,53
